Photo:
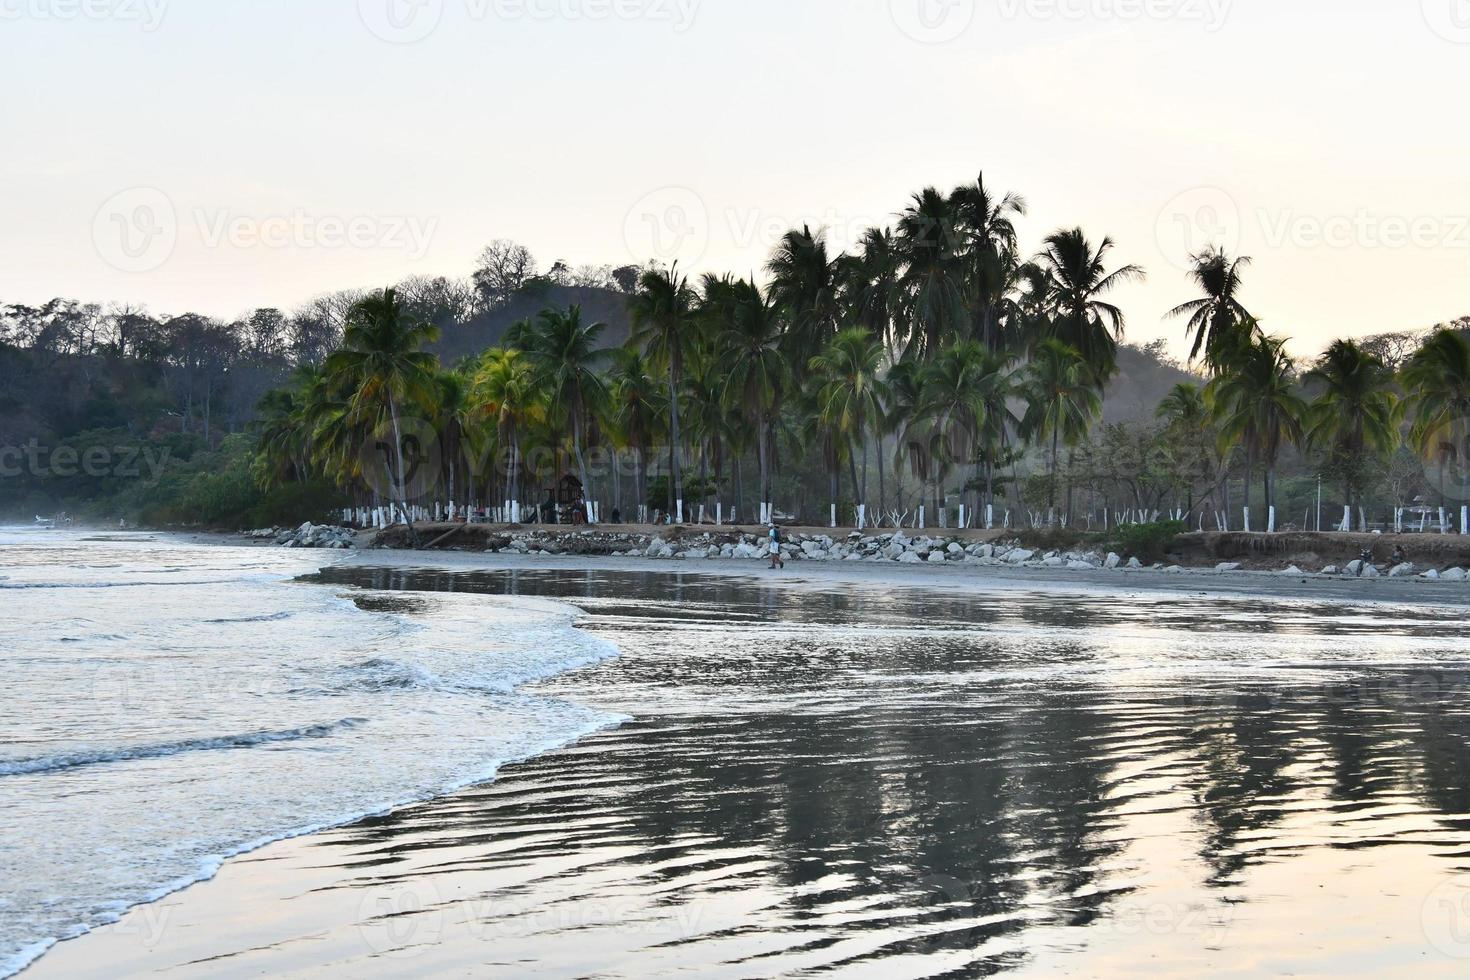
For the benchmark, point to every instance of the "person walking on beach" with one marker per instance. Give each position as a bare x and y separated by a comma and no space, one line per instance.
776,560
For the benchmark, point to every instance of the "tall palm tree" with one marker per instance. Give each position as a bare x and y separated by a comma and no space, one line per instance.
506,391
987,222
1256,402
1357,415
382,360
933,282
869,284
636,408
564,352
1437,378
963,386
752,341
1217,318
452,411
1062,402
664,310
908,418
804,285
1079,279
850,396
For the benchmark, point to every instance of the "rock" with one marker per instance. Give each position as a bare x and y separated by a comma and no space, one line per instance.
1455,575
937,558
910,558
1134,563
1432,575
1020,556
1054,561
654,547
955,549
1372,572
1354,568
1174,570
1330,570
1228,566
893,551
1113,560
1401,571
1079,565
1292,570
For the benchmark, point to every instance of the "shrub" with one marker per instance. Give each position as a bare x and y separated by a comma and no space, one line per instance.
1147,542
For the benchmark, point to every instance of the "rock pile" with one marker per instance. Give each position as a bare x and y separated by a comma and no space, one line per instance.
311,535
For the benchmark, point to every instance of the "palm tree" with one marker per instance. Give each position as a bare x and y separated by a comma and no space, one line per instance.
635,408
1256,403
963,386
1081,318
805,286
1357,415
506,392
1062,402
850,397
933,282
381,359
1216,318
1437,378
664,312
752,342
869,284
452,411
564,353
1185,413
987,224
908,418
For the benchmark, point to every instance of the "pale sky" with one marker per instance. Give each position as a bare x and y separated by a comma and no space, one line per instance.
218,155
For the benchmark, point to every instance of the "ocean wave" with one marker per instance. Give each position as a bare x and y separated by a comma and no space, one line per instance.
77,760
263,618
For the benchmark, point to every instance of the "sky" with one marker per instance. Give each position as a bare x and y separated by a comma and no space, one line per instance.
220,155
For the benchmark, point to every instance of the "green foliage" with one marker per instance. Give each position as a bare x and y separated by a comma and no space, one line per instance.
1147,542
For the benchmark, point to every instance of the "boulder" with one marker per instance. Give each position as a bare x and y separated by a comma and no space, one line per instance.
937,558
1054,561
1455,575
1432,575
1401,571
1228,566
1292,570
1113,560
1078,565
1330,570
1019,556
910,558
1354,568
1134,563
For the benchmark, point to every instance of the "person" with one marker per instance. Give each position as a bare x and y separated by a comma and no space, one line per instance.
1399,558
776,560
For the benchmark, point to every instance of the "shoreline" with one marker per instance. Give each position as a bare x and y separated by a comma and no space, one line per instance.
280,873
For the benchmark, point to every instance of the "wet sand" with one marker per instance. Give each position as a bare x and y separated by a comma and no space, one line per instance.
875,770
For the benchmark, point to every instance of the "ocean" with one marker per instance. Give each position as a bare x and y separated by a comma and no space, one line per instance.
170,705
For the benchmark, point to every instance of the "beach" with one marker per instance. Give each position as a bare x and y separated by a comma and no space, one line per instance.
897,771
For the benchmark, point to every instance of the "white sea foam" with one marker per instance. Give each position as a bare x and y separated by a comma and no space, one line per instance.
159,722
